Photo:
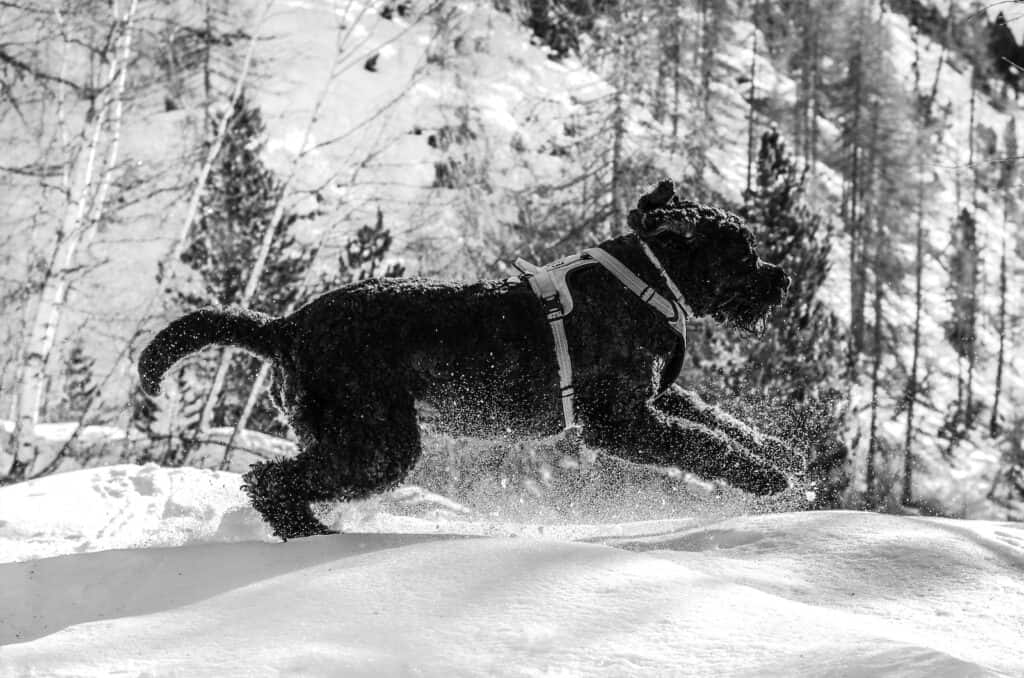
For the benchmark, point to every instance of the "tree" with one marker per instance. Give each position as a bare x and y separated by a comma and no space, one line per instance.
85,182
1007,487
927,128
788,378
1007,181
961,330
78,386
235,212
875,153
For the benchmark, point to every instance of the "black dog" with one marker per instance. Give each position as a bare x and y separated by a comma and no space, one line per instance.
349,366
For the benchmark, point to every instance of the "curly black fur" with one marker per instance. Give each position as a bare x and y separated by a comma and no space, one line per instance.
349,366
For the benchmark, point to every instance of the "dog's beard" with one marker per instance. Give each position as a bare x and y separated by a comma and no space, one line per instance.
748,308
753,326
736,312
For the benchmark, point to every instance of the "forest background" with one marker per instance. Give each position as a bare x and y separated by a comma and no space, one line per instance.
160,157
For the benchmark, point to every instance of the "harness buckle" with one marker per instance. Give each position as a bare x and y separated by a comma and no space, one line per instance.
677,323
552,307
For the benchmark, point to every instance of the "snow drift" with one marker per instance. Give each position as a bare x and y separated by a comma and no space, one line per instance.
796,594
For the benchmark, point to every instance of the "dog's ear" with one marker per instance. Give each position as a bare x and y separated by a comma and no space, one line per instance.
661,196
656,211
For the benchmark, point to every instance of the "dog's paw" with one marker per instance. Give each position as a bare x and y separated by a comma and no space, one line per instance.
752,473
298,529
767,480
783,455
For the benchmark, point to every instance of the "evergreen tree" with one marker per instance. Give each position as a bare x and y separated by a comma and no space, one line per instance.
238,204
1007,488
144,412
873,153
364,255
928,130
961,329
797,354
79,388
787,379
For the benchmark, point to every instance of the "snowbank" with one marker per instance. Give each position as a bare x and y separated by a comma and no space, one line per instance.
800,594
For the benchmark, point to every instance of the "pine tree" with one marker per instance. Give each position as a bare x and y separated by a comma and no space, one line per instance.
927,127
873,150
1007,487
79,387
788,378
364,255
237,207
961,329
796,355
144,412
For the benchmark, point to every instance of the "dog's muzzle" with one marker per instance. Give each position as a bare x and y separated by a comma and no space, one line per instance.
777,281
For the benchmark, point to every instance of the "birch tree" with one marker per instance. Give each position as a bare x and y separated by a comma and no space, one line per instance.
86,181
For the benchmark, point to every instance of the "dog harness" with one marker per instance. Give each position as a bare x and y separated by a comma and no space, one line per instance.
549,284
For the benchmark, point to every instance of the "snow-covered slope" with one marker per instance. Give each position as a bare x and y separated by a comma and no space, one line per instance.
801,594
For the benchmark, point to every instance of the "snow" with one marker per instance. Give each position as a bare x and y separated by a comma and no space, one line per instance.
88,593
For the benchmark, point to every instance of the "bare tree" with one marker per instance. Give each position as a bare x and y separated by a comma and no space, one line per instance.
925,123
86,191
1007,179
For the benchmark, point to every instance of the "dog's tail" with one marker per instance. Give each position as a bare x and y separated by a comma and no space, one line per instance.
226,326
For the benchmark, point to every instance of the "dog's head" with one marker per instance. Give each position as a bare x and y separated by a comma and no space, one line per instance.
710,255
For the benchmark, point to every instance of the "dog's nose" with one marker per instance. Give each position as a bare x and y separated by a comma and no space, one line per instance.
785,281
773,278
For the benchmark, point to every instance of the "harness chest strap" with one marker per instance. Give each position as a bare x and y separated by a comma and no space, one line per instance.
548,283
550,286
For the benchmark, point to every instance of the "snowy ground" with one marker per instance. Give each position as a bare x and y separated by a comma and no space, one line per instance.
139,570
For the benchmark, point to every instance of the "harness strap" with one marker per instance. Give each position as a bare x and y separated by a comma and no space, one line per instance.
675,312
549,284
550,289
673,289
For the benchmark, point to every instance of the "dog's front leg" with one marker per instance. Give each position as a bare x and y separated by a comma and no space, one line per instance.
679,402
641,433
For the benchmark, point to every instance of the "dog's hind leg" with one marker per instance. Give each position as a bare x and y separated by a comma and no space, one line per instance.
282,490
636,431
361,447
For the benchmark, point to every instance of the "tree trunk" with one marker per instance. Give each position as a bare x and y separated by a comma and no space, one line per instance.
618,134
243,420
870,473
750,110
972,345
857,283
812,142
677,78
77,227
993,427
906,494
